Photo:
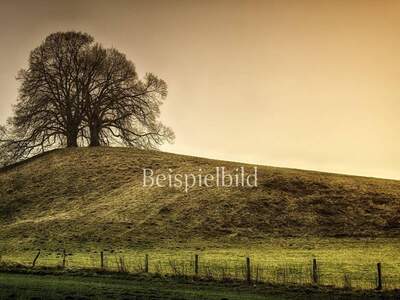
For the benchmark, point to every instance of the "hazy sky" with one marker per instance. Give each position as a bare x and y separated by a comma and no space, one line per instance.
303,84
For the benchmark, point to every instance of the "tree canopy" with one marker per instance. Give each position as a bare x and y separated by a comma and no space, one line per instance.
77,93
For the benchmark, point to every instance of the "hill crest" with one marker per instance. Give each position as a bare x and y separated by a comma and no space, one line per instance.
95,196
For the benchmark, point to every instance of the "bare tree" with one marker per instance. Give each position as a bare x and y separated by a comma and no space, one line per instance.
75,92
49,110
121,108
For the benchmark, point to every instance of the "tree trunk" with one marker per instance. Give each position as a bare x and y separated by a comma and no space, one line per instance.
94,135
72,139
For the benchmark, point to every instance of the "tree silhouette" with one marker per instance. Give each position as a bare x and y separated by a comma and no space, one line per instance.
120,108
76,93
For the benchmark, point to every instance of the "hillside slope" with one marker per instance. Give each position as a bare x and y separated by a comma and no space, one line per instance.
95,196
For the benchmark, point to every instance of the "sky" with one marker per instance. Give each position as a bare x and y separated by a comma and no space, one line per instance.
308,84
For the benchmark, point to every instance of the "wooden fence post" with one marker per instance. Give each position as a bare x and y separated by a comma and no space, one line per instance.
102,260
248,270
379,283
35,259
314,271
146,263
64,258
196,265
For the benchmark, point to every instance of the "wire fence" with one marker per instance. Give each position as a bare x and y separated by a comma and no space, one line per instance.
248,269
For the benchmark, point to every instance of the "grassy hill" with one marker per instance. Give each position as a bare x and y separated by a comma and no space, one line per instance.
95,197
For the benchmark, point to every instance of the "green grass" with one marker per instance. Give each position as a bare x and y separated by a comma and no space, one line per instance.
18,286
64,285
277,260
88,200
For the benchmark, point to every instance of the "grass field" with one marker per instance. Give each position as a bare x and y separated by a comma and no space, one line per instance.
341,262
105,286
75,198
91,200
18,286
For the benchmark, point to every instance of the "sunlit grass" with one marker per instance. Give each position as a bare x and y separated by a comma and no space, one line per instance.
341,262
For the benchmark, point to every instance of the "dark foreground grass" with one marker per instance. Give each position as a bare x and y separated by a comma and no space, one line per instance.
53,284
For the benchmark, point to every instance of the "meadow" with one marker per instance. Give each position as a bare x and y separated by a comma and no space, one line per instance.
28,286
74,204
341,263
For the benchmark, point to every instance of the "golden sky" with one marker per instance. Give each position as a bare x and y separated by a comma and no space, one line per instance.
303,84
